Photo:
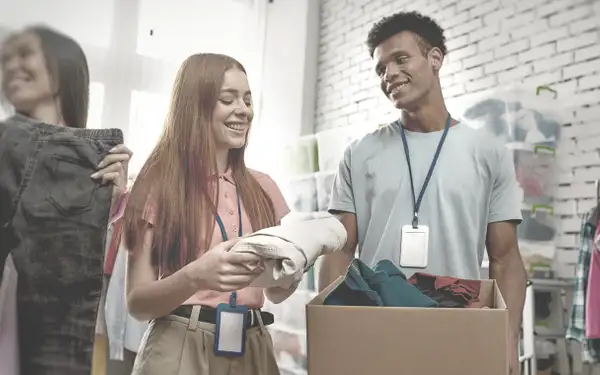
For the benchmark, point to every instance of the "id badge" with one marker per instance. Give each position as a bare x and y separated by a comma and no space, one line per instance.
230,331
414,248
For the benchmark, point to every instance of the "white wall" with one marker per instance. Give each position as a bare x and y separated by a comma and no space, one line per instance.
290,64
289,76
492,43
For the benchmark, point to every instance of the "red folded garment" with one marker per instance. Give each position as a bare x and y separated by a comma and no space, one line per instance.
448,291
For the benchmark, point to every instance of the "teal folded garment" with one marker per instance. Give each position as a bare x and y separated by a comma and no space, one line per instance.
385,285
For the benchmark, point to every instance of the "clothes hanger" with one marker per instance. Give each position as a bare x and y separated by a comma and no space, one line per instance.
545,88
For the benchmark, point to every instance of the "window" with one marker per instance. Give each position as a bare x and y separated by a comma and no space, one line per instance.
148,112
173,30
96,105
166,36
132,73
89,22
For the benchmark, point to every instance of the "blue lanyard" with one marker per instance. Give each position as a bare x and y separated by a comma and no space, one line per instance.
233,297
417,202
222,226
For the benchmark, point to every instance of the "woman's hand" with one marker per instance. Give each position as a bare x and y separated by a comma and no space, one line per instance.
224,271
113,168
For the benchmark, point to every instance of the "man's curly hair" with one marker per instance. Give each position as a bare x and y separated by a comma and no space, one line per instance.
430,34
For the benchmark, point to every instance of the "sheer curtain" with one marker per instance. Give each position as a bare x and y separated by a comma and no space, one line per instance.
135,47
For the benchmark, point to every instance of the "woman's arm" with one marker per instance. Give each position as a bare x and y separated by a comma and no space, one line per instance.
217,269
149,298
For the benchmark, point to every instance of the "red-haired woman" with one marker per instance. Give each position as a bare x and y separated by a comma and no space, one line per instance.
191,200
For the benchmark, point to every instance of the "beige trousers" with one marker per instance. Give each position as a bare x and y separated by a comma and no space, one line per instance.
100,356
176,346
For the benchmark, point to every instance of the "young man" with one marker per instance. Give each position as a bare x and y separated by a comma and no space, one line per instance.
427,176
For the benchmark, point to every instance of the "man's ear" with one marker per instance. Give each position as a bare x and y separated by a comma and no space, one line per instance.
436,58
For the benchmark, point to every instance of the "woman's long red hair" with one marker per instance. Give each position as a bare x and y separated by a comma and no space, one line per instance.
178,180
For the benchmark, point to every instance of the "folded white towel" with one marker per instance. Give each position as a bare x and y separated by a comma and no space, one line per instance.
288,250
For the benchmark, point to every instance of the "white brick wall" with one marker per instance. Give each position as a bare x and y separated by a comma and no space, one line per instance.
491,43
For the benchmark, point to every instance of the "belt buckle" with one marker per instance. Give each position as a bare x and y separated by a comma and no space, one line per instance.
252,317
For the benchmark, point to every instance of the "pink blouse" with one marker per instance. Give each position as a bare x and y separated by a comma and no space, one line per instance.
228,211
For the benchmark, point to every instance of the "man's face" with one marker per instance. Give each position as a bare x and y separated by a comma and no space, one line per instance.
407,75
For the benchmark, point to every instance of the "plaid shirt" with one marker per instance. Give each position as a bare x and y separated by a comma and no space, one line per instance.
576,330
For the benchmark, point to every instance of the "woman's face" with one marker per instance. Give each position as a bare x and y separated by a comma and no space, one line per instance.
26,82
233,112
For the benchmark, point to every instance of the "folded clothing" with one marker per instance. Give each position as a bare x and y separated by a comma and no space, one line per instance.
449,292
289,250
385,285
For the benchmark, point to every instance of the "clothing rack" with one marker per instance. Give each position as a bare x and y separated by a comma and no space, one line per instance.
575,334
592,369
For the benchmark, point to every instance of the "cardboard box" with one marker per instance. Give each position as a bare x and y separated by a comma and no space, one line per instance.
347,340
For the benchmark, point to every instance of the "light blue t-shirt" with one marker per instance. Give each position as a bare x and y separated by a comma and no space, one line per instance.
473,184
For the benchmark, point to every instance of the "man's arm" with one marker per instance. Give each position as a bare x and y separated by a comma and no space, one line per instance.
506,266
342,206
334,265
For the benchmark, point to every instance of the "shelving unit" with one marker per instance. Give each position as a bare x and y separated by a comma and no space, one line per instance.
561,292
